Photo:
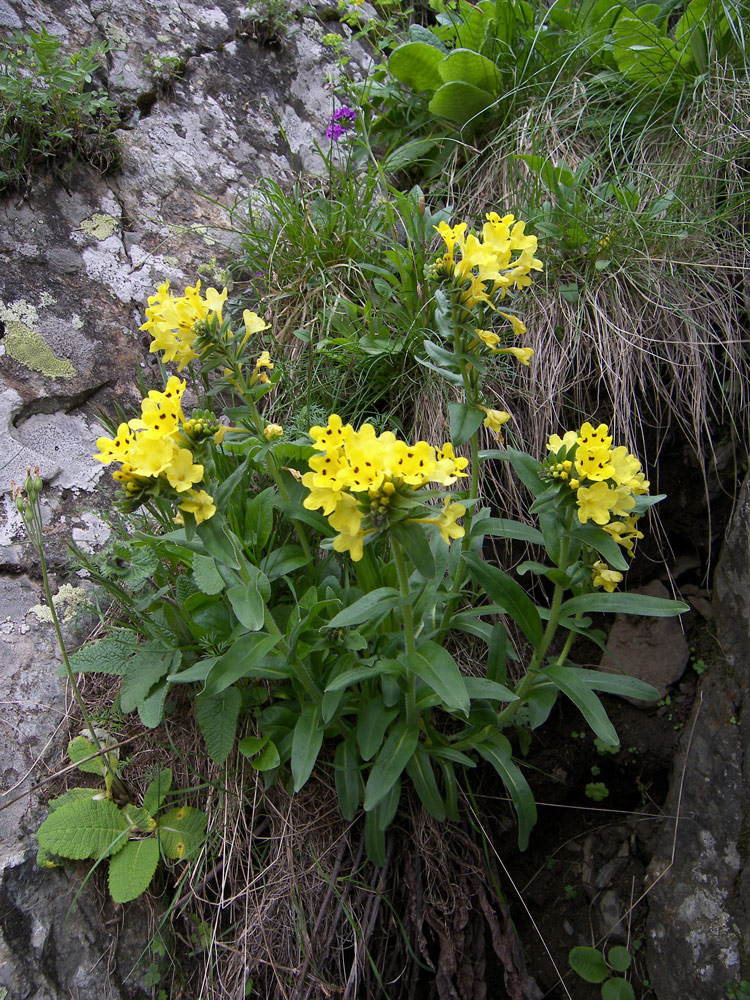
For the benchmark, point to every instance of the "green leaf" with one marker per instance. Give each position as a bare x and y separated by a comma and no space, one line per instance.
407,154
347,778
372,723
306,743
591,534
151,709
157,791
82,746
619,684
436,667
220,542
617,989
589,964
518,789
206,575
267,759
464,420
374,839
367,608
460,102
107,656
259,518
181,832
619,958
480,687
71,795
281,562
625,604
541,700
463,65
497,653
242,659
146,667
386,809
247,604
508,594
524,466
500,527
414,541
585,701
357,674
84,828
217,716
415,64
390,763
144,562
131,870
419,769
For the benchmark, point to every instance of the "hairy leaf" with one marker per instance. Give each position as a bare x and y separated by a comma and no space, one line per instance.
131,870
84,828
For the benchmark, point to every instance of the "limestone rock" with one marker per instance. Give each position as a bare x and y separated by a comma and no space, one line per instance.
697,925
652,649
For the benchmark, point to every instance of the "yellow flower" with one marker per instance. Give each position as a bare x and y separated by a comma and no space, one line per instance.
522,354
200,505
215,301
272,431
150,456
487,337
519,328
594,438
595,503
495,420
446,522
603,576
594,463
181,473
625,466
324,497
115,449
567,441
259,375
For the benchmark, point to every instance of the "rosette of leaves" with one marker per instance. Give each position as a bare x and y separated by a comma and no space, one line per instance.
85,823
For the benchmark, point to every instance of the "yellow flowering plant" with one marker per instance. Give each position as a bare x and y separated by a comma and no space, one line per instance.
305,585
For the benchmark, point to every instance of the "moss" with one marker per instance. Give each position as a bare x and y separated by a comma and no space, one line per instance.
101,227
27,347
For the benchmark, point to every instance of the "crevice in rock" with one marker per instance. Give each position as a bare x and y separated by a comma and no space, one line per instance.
57,403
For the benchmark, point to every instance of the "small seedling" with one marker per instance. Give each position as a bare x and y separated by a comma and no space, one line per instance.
591,965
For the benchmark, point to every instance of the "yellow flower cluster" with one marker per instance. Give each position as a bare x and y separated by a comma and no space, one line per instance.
151,448
501,259
606,481
360,477
176,322
173,322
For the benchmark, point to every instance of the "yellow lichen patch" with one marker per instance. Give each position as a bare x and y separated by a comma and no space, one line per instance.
69,602
100,226
27,347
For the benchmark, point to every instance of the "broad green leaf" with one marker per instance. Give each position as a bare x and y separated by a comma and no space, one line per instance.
465,66
139,818
259,518
347,778
464,420
518,789
374,839
372,723
181,832
268,759
157,791
460,103
108,656
144,562
500,527
589,964
619,958
71,795
625,604
507,593
617,989
131,870
407,154
146,667
280,562
242,659
620,684
220,542
151,709
524,466
419,769
226,487
585,701
82,746
480,687
250,745
436,667
247,604
357,674
367,608
540,702
386,809
84,828
591,534
390,763
206,575
415,64
308,737
217,717
414,541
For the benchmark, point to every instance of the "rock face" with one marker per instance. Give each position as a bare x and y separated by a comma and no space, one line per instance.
78,261
698,929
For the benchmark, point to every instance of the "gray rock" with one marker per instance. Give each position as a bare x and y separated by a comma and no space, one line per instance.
698,927
652,649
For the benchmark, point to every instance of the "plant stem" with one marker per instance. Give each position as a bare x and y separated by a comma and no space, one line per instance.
403,582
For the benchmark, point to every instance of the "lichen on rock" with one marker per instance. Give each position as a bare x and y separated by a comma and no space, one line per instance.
28,348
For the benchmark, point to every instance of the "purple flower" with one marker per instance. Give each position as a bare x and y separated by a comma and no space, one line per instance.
341,121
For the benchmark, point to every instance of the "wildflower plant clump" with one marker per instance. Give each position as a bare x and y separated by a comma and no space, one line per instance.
308,586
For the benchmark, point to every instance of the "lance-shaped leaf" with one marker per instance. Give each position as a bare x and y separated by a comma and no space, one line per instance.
306,743
390,763
434,665
625,604
508,594
518,789
585,701
419,769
